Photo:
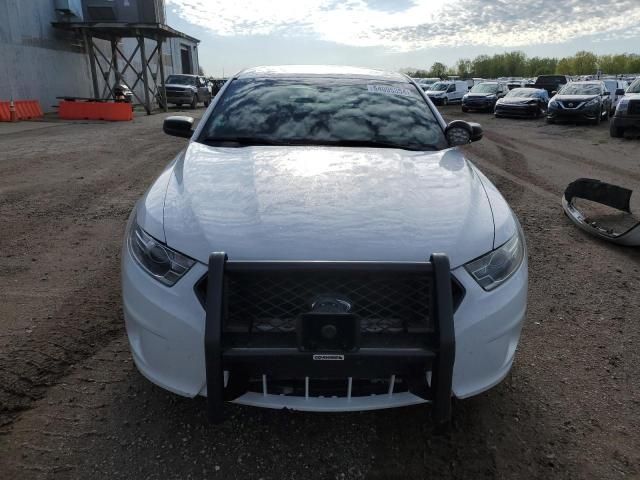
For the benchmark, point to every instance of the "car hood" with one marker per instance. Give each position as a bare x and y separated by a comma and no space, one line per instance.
480,95
179,85
326,203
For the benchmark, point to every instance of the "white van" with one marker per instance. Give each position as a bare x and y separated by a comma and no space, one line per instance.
447,91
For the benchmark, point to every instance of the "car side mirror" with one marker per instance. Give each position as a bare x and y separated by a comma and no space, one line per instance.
620,92
459,132
178,126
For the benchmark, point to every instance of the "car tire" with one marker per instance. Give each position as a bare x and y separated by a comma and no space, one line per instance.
194,102
606,114
207,103
616,132
445,101
598,119
465,109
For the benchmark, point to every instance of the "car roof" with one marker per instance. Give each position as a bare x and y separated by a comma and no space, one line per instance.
320,71
588,82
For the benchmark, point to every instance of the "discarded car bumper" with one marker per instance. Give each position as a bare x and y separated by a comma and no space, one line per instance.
606,194
167,328
517,110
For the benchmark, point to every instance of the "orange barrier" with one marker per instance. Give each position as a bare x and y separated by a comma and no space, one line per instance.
24,110
111,111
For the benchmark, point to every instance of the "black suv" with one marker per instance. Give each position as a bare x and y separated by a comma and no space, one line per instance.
483,96
551,83
588,101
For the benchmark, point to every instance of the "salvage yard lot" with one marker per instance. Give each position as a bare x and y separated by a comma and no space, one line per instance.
74,406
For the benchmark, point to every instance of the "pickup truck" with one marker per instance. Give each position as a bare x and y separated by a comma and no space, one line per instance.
551,83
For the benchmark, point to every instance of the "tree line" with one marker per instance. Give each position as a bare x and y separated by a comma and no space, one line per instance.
518,64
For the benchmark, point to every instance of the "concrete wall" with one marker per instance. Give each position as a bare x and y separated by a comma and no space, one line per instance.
36,60
42,63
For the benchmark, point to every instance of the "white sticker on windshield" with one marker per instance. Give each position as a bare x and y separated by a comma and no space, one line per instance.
389,90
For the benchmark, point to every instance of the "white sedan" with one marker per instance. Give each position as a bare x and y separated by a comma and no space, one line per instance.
321,244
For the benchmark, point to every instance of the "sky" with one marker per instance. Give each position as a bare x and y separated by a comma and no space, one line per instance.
396,34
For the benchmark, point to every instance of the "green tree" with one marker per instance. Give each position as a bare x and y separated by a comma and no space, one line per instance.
464,68
438,70
584,63
565,67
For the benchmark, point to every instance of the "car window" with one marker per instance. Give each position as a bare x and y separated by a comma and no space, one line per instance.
524,92
181,80
580,89
485,88
309,111
634,87
439,87
452,88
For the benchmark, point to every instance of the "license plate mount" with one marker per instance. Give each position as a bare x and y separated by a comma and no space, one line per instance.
328,332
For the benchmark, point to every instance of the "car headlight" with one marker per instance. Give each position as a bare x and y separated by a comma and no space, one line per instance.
161,262
491,97
593,102
623,104
553,104
494,268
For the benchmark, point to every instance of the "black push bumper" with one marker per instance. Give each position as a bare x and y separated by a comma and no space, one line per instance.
411,353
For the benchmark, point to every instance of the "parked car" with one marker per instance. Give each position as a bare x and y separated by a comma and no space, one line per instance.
616,90
588,101
483,96
551,83
327,292
627,115
425,83
187,89
447,91
523,102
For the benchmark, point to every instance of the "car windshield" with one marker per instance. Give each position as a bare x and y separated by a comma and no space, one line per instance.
524,93
181,80
485,88
580,89
547,79
439,87
634,87
323,111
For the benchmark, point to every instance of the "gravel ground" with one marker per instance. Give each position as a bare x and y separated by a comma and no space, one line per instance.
72,404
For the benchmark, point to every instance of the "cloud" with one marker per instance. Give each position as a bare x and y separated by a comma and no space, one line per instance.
406,25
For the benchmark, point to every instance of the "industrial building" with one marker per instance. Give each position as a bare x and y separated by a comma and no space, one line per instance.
81,48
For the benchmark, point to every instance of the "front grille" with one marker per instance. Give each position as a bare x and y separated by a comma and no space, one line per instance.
271,303
634,107
571,105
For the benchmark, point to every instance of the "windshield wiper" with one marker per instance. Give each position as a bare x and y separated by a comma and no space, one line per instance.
374,144
241,141
255,141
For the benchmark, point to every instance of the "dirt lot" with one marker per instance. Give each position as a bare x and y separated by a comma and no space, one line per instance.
73,405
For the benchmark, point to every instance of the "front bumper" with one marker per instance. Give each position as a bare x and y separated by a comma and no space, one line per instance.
625,121
437,100
479,104
515,110
180,97
166,330
584,113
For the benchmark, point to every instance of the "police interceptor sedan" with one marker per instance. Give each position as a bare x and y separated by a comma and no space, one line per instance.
322,245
